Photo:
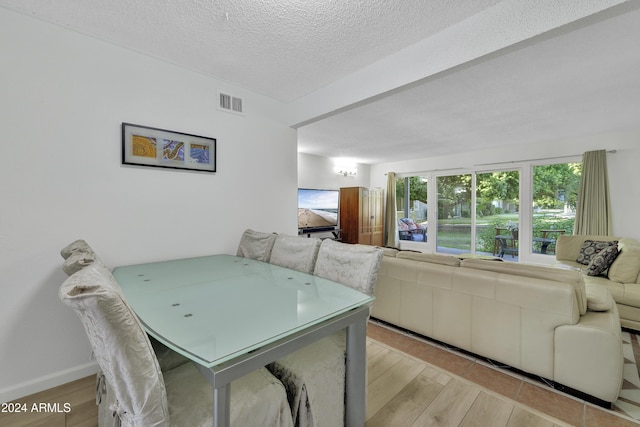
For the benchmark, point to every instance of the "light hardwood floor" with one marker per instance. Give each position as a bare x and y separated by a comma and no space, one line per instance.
404,391
430,387
69,405
532,395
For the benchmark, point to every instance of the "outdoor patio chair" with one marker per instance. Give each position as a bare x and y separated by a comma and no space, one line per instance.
508,244
409,230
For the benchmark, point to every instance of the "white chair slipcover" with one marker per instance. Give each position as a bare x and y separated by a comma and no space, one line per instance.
355,266
77,261
135,392
296,253
315,375
76,246
256,245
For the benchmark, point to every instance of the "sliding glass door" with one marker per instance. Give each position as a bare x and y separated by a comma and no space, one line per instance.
486,220
454,214
555,196
479,212
412,204
498,214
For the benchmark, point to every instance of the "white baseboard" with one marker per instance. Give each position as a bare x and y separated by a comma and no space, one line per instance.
36,385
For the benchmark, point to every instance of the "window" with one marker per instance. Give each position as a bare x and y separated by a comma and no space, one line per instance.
555,195
479,211
411,199
454,214
498,213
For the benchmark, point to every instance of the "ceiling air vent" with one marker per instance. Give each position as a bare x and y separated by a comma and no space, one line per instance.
229,103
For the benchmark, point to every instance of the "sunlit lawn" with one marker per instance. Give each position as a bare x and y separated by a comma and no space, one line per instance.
461,240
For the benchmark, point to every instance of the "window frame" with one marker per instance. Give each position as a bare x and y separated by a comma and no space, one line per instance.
525,223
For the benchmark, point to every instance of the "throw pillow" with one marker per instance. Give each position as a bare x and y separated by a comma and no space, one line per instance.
602,261
590,248
626,267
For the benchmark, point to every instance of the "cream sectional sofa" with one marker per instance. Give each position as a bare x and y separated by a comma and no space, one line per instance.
622,278
532,318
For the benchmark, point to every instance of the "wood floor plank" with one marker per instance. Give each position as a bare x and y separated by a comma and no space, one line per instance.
380,363
386,386
488,410
450,406
373,348
446,411
401,388
82,413
79,394
523,418
34,419
408,404
93,422
50,420
441,377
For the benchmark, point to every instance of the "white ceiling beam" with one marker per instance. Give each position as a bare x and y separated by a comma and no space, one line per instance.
503,25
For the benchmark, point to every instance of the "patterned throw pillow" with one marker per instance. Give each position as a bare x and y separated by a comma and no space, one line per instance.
602,261
590,248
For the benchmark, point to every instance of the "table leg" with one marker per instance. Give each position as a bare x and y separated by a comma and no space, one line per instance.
356,373
221,406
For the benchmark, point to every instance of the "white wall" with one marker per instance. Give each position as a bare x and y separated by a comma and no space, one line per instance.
63,97
319,172
624,173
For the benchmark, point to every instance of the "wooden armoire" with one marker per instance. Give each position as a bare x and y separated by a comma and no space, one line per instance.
362,215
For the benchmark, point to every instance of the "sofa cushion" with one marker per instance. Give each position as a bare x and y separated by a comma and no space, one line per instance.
598,298
565,275
570,265
568,246
432,258
590,248
602,261
625,293
626,267
392,252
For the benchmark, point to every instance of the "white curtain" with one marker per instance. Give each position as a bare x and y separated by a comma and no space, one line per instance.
391,238
593,214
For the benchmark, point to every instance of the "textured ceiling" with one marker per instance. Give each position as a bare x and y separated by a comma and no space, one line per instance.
280,48
557,79
583,82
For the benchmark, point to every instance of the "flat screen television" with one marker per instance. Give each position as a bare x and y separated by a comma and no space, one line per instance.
317,209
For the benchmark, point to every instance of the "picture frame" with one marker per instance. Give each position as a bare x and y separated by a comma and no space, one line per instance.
162,148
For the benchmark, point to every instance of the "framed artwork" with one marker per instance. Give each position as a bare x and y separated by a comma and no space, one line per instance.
147,146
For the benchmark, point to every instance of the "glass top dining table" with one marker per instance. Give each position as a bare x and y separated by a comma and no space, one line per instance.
231,314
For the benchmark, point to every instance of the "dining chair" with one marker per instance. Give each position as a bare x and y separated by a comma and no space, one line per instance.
80,255
75,247
314,376
77,255
355,266
256,245
133,391
77,261
296,253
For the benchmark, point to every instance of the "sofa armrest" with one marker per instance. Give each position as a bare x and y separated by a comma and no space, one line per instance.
588,355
